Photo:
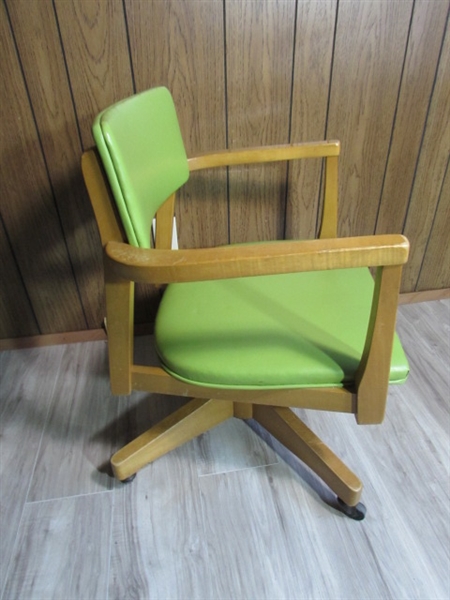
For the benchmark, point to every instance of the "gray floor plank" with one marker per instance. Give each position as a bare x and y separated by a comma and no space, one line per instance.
231,446
158,550
79,435
62,550
27,382
219,517
157,526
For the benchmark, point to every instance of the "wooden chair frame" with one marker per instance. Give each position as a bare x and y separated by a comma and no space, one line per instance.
125,265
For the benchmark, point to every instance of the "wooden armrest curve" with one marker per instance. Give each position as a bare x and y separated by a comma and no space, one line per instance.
269,258
262,154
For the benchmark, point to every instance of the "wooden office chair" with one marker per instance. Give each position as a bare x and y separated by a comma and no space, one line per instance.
246,330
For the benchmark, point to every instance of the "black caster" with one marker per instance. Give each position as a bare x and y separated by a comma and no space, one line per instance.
357,513
128,479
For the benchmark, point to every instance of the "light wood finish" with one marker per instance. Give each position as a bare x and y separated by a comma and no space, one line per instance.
109,225
185,424
258,531
120,300
164,224
372,378
166,266
264,154
330,399
241,410
125,265
328,149
329,221
287,428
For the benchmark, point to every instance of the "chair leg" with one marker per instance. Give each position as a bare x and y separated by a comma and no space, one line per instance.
287,428
196,417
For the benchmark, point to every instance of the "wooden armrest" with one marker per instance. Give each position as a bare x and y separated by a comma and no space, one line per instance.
169,266
264,154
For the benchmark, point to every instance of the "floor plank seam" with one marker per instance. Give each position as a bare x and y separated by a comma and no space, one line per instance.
110,549
260,534
68,497
230,471
32,471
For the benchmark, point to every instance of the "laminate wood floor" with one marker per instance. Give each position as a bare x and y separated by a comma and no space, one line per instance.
231,515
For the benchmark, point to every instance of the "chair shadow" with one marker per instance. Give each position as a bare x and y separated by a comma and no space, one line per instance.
313,484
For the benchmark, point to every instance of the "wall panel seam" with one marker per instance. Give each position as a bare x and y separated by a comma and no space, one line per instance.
225,68
291,105
63,50
430,101
394,119
13,254
325,133
432,225
44,159
125,16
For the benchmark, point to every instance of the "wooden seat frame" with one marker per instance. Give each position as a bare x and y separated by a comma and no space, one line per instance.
124,265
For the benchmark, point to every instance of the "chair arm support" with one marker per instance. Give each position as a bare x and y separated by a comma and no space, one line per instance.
372,376
226,262
262,154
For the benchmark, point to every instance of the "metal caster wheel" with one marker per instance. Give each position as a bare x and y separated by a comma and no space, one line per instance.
128,479
357,513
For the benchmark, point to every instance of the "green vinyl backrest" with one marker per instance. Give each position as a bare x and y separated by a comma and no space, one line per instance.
141,147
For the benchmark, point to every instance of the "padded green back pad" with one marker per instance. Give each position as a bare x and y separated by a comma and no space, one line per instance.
140,143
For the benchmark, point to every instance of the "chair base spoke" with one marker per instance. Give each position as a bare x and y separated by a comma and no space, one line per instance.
198,416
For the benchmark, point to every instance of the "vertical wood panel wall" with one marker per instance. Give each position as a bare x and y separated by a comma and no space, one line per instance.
374,74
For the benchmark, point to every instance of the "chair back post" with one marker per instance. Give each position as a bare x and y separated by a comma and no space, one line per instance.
119,293
108,222
328,227
372,377
164,224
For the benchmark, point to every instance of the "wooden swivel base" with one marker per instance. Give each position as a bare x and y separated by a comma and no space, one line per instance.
197,416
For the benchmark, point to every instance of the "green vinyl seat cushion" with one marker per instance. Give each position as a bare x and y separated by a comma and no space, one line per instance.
276,331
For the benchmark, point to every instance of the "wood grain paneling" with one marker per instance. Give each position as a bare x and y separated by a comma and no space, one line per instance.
436,264
259,41
424,44
96,50
48,86
28,209
430,172
370,46
373,74
312,70
15,307
172,46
